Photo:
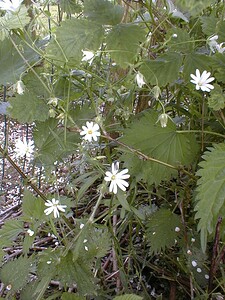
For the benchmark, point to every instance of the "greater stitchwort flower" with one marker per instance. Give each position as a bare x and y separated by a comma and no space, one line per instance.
11,6
55,207
24,148
88,56
116,178
140,80
202,81
90,131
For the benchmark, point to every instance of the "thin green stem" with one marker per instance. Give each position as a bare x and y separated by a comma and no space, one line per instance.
29,66
91,219
146,157
200,131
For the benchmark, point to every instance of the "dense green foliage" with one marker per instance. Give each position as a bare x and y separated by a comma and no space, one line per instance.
125,66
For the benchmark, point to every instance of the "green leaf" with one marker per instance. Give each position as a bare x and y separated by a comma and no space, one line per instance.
103,12
211,192
13,21
71,37
194,7
12,65
69,296
33,207
163,70
123,42
220,30
216,101
219,66
70,6
128,297
15,273
209,24
78,272
179,40
161,232
35,289
28,108
11,229
162,144
195,61
49,139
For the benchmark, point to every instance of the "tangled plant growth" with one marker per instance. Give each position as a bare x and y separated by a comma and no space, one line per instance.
126,99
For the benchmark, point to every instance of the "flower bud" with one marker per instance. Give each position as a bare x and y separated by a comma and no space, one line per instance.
163,118
19,87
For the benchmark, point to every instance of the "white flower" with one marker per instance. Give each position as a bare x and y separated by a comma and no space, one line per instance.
206,276
11,6
140,80
117,178
177,229
88,56
19,87
55,207
202,81
212,42
220,48
199,270
90,131
163,118
24,148
194,263
30,232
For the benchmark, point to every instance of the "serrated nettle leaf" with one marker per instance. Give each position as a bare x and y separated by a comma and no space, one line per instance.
103,12
11,229
163,70
28,108
78,272
194,7
15,273
71,37
210,192
70,6
179,40
14,21
195,61
123,43
163,144
32,207
216,101
50,141
218,63
163,229
209,25
12,65
35,289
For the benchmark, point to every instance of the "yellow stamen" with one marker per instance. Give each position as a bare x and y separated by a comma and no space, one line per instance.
90,131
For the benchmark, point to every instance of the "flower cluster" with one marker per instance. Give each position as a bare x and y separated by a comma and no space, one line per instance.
202,81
